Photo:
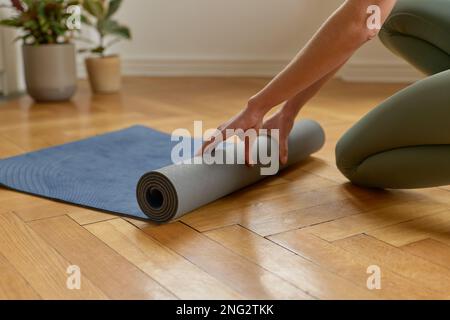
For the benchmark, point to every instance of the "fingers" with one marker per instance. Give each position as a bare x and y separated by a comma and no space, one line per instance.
205,145
221,135
214,141
249,140
238,126
218,137
284,151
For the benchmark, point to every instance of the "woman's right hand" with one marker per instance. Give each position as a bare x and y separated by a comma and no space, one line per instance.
251,117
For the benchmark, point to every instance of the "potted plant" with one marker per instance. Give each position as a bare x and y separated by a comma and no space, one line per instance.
48,54
104,70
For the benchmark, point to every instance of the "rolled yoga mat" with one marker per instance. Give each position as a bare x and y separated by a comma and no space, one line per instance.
172,191
103,172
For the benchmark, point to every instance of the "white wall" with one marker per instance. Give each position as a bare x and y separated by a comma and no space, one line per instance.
236,37
11,70
232,37
375,63
228,37
217,29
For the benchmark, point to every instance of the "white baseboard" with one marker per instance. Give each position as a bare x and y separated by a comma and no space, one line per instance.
152,67
203,67
390,72
375,71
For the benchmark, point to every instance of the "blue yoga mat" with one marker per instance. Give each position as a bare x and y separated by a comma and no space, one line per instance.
130,172
99,172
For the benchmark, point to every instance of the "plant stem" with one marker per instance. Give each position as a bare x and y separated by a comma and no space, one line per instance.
102,45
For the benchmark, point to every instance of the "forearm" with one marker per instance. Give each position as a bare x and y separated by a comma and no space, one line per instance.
336,41
293,106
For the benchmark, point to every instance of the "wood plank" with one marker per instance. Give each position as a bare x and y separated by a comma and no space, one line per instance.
243,276
375,219
300,200
322,213
12,285
11,199
301,272
222,212
434,226
109,271
323,169
38,263
5,196
27,143
350,266
178,275
431,250
209,218
9,149
421,271
30,208
42,209
87,216
74,123
141,224
434,194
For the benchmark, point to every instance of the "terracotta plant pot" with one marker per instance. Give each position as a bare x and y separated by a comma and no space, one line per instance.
104,74
50,71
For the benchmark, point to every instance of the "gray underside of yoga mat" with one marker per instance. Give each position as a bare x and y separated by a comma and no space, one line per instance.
103,172
191,186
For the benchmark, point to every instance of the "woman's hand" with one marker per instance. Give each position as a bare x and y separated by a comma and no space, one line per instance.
251,117
284,122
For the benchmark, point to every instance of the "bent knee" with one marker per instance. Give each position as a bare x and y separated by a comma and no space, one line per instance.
352,160
345,157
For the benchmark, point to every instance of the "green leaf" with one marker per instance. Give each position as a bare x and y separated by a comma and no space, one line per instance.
23,38
73,3
99,50
114,5
86,21
31,25
94,7
14,22
111,27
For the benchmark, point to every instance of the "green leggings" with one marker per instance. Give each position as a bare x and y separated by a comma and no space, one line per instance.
405,142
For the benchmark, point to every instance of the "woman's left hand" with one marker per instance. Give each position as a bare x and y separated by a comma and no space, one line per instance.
284,123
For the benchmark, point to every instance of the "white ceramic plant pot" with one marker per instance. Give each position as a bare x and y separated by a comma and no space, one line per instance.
50,71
